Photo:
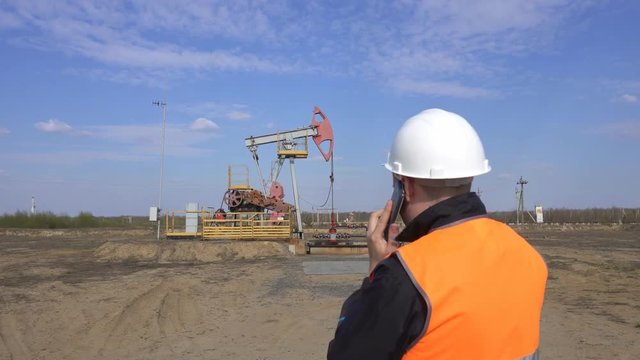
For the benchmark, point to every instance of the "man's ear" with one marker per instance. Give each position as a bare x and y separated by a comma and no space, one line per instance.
409,188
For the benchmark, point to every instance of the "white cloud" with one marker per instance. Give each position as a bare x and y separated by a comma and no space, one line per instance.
118,38
168,56
4,131
246,20
442,42
628,89
239,115
54,126
464,18
132,144
180,140
203,125
212,109
78,157
151,78
629,98
441,88
443,45
57,126
232,19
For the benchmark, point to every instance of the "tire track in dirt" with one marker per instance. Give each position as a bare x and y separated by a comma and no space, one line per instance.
11,338
165,309
177,311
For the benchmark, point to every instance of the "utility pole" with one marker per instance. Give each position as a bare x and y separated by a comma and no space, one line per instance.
520,194
33,205
162,105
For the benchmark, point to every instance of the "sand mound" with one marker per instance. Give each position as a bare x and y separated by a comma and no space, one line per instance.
189,251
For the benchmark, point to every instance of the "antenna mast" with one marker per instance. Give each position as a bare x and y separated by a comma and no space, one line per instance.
520,195
162,105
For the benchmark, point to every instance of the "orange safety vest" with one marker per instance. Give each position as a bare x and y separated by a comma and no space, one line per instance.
484,287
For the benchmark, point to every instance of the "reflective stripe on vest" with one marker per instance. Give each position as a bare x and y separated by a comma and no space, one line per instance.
484,287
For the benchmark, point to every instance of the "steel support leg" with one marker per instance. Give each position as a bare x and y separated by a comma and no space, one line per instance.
295,198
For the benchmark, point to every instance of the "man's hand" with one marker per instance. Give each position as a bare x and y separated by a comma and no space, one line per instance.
379,248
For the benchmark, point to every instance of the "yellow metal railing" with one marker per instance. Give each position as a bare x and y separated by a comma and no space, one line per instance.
175,223
238,177
230,226
247,225
291,151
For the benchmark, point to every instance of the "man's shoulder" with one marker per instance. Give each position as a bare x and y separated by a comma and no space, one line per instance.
390,270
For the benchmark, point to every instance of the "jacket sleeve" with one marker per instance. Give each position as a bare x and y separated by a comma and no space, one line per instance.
382,318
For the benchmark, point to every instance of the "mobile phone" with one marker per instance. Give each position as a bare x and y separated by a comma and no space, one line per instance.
397,198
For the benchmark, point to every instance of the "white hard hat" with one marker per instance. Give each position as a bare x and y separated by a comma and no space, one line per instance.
437,144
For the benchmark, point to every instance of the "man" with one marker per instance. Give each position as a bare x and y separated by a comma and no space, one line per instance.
453,284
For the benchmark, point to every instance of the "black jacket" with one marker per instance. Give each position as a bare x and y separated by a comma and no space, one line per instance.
383,318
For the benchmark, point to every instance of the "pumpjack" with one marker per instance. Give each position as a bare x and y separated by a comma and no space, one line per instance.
291,145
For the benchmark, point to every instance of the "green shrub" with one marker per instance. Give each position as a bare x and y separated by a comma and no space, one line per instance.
85,220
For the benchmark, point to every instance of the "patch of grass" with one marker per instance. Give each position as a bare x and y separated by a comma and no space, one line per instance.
49,220
638,325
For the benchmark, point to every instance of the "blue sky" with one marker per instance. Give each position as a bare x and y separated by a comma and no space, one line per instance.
551,86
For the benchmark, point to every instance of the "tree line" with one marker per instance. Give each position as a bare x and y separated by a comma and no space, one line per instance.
48,220
85,219
613,215
551,215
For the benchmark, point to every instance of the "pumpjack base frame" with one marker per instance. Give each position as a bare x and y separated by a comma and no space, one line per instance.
333,244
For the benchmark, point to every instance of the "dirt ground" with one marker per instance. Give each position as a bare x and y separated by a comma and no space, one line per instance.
116,294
